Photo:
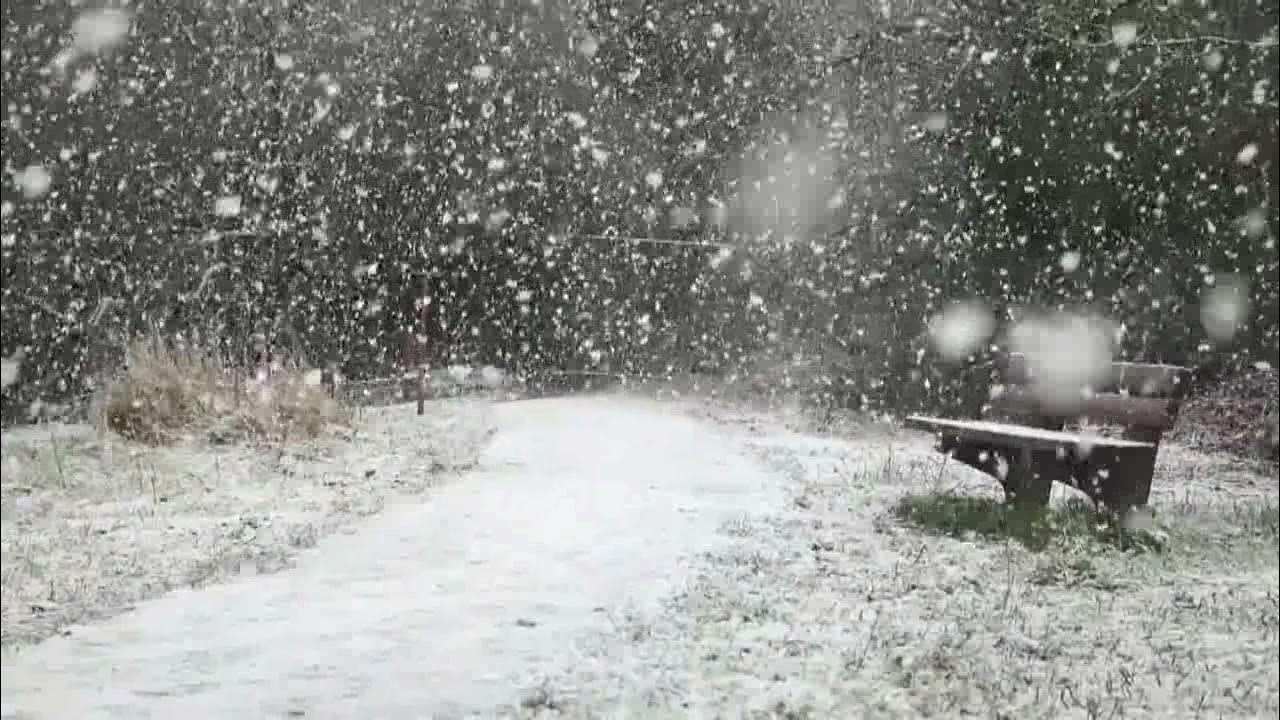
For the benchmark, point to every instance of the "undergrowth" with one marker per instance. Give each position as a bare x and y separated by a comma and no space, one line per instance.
165,391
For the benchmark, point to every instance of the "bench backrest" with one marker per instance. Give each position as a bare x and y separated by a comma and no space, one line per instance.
1142,397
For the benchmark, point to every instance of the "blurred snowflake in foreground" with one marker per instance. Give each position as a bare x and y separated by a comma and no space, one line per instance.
961,329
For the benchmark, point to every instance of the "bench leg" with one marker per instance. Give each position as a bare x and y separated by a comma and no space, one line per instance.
1120,479
1029,480
1129,485
979,457
1028,477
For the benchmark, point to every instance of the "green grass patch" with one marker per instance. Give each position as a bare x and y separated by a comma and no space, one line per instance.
1073,523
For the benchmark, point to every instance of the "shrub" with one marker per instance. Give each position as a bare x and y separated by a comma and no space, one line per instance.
166,391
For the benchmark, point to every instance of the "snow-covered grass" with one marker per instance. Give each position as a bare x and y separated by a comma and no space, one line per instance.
873,579
834,606
1077,521
965,516
93,522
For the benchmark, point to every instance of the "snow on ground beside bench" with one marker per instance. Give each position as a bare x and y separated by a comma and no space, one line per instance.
610,557
830,607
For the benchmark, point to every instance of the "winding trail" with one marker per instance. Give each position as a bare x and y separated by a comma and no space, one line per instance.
580,507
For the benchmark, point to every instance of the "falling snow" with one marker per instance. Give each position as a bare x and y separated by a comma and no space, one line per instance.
97,31
961,329
1124,34
34,181
858,207
1224,307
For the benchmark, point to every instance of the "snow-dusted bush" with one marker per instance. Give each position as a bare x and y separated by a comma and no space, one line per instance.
166,392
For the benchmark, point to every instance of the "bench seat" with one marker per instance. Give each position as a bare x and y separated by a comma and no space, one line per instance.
1008,434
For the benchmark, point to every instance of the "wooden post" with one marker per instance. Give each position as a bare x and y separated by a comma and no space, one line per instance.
326,381
422,389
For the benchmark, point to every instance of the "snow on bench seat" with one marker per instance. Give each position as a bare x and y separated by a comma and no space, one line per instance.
1022,436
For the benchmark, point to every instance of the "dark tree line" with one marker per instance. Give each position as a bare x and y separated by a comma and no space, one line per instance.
320,172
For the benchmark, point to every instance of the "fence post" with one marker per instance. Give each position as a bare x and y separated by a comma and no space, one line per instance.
327,382
422,389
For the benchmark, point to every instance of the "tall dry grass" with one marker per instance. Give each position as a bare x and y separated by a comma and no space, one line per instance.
166,391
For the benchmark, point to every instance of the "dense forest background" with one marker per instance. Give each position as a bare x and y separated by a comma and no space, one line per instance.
337,175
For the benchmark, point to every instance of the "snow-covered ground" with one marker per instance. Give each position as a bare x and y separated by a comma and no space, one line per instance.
92,525
617,557
829,607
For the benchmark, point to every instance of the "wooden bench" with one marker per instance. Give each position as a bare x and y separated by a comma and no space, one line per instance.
1028,454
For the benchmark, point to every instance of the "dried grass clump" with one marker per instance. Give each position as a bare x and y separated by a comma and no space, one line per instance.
166,392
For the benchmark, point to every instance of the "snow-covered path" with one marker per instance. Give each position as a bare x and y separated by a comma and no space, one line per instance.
580,507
